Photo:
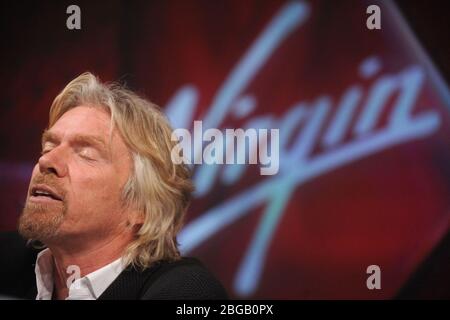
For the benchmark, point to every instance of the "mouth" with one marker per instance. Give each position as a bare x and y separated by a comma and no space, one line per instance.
44,193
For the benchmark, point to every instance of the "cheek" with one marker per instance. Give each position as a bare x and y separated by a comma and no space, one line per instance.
100,189
35,170
95,204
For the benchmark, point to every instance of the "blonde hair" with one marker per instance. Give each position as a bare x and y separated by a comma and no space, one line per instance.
157,187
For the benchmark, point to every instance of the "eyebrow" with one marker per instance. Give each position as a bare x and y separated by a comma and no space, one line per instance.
95,141
48,136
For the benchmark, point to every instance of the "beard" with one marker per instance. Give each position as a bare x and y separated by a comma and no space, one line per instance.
41,221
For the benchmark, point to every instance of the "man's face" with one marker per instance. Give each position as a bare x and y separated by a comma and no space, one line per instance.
76,186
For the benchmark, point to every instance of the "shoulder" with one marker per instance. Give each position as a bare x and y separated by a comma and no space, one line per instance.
17,267
183,279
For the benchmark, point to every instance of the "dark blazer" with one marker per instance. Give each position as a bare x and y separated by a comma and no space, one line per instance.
180,280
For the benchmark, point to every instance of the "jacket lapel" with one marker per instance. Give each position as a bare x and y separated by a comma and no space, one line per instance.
129,284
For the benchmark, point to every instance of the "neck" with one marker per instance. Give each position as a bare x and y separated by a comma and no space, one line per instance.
89,257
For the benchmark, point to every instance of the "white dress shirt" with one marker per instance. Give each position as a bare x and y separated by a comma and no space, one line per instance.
89,287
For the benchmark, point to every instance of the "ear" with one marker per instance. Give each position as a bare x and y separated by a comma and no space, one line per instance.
135,219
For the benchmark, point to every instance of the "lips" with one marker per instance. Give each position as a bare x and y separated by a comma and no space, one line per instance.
41,191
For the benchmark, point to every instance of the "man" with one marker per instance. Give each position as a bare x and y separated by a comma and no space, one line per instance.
107,202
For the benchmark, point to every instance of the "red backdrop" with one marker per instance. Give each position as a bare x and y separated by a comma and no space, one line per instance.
363,116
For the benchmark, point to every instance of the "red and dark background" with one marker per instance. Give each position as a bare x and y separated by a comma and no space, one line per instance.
391,208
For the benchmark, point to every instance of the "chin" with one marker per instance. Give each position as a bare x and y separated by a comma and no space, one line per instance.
40,222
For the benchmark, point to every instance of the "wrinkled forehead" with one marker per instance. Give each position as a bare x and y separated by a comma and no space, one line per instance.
79,110
86,126
84,119
88,122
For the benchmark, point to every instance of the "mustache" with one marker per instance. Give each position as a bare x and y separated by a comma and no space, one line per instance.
51,182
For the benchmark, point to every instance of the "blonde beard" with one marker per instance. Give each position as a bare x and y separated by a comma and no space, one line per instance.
41,222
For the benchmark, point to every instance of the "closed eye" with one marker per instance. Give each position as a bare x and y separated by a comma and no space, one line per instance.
88,153
46,149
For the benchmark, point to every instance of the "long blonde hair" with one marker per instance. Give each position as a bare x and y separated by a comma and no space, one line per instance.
157,187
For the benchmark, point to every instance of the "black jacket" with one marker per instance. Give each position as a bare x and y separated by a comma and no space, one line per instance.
180,280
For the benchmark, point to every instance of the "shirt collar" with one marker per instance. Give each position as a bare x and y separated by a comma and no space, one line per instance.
102,278
44,275
90,286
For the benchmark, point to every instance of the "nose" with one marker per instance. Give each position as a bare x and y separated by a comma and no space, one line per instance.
53,162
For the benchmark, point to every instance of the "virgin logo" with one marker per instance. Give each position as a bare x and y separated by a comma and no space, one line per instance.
298,163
